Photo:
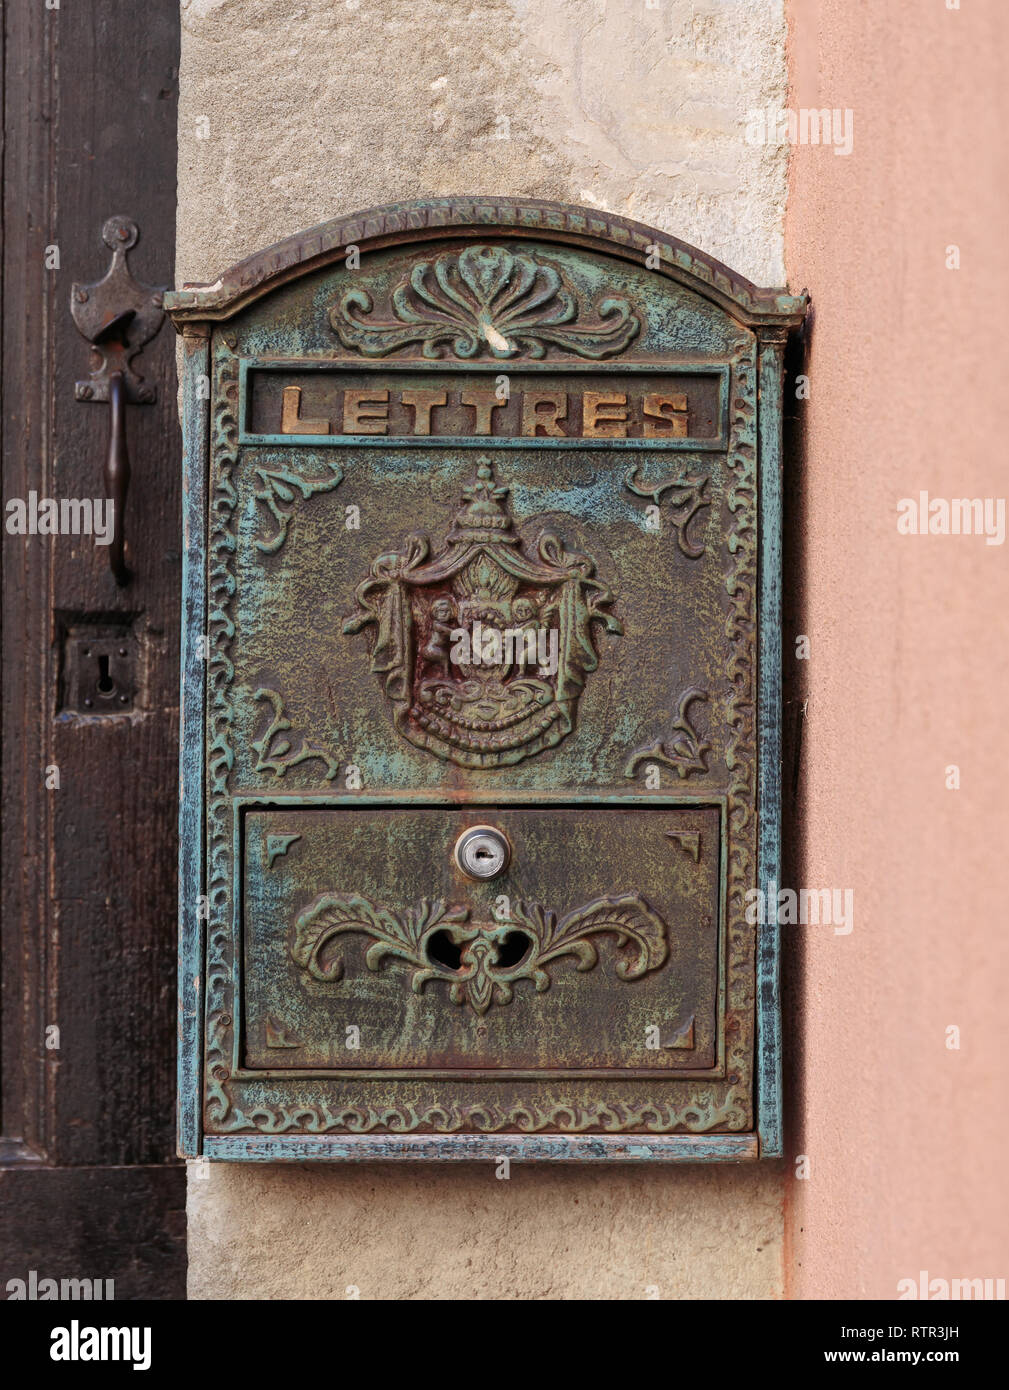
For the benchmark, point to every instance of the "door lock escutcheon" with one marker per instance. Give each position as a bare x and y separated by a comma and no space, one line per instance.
482,852
99,670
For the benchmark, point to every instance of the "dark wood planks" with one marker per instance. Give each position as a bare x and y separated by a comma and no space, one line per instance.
89,870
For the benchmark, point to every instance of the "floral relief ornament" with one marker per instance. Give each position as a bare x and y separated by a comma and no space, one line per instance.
473,957
484,298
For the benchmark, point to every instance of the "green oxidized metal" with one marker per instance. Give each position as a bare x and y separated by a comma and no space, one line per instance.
482,530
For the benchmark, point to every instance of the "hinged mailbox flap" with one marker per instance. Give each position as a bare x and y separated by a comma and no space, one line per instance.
504,976
480,689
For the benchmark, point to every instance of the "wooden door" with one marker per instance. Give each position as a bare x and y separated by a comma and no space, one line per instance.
90,1186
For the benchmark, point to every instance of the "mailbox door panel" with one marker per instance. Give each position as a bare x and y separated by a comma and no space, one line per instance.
367,946
481,549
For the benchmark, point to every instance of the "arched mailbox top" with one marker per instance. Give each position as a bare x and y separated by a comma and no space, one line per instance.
478,217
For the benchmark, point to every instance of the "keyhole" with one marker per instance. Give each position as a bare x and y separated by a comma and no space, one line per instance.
106,685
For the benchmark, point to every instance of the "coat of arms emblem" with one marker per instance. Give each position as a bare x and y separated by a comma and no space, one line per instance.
483,648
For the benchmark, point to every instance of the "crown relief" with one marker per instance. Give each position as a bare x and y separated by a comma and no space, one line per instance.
484,647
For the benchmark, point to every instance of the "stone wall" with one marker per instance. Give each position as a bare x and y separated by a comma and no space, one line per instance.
294,113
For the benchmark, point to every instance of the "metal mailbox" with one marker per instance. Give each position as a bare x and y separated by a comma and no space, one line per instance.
480,693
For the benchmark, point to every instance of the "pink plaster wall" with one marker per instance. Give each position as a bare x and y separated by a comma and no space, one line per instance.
909,669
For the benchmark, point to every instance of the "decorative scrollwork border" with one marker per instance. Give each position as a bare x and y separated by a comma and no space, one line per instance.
220,718
740,753
705,1113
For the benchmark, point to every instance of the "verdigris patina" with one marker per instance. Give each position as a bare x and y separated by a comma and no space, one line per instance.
483,547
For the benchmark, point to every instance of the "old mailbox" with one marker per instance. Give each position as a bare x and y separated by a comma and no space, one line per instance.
481,685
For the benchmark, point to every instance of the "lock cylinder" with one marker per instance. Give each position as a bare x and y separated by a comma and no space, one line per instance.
482,852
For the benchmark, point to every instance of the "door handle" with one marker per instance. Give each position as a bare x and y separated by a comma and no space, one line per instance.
117,476
117,315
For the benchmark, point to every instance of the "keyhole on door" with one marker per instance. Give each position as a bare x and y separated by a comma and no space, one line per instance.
99,669
106,685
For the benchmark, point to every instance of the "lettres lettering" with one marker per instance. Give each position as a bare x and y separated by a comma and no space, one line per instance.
290,417
366,412
483,404
671,411
423,402
536,418
604,415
